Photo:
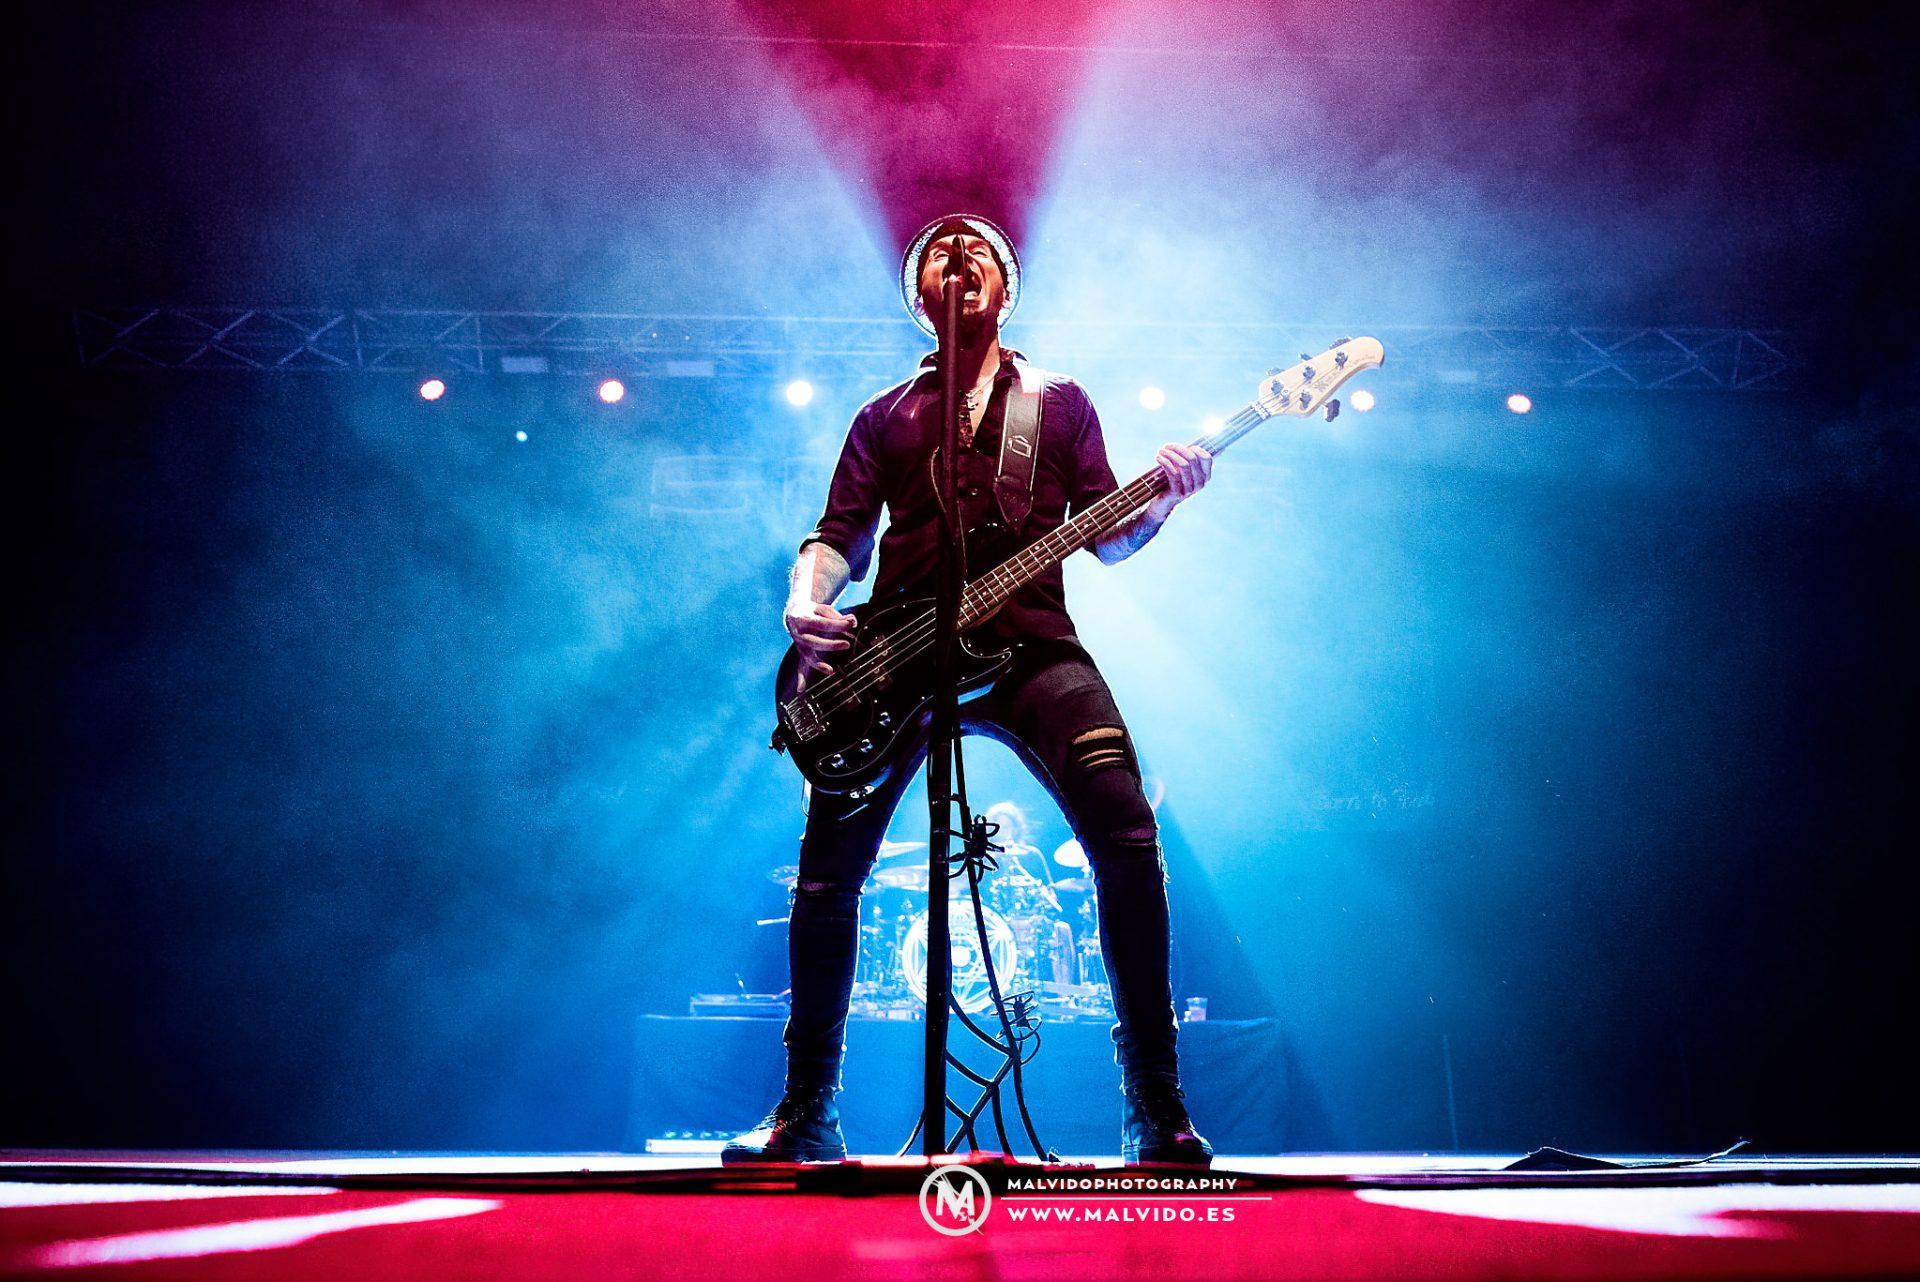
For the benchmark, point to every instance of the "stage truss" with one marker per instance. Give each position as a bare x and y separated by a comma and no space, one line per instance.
641,346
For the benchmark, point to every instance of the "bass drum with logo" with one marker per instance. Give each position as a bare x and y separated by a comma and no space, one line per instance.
969,970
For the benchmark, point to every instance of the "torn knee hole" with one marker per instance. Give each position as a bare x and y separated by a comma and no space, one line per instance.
1101,747
1141,844
826,887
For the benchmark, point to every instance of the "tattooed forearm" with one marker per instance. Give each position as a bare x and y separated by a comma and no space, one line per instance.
1129,538
820,575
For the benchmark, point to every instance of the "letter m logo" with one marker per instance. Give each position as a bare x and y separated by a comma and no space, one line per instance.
957,1202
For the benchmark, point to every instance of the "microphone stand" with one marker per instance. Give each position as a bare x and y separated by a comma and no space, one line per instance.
946,714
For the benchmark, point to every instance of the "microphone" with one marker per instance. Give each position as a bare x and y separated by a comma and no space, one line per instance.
956,259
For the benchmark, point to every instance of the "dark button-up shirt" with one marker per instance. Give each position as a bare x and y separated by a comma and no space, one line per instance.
886,460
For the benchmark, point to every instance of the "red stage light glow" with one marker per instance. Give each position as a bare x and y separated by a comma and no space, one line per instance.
862,74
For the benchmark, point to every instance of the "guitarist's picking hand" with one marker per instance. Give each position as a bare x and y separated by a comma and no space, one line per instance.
1187,468
818,629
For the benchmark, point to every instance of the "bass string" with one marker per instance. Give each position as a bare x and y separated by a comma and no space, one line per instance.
861,676
903,645
908,642
874,662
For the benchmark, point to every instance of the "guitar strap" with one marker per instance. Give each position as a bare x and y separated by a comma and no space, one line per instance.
1019,446
1019,443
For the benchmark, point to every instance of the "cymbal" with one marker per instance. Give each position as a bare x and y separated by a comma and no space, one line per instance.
902,877
893,849
1070,855
1074,885
789,875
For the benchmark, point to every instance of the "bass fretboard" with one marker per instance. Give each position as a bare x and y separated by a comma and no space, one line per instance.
986,594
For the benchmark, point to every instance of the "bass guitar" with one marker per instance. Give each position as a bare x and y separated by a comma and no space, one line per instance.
848,732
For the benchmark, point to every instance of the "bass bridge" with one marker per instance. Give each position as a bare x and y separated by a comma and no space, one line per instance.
804,720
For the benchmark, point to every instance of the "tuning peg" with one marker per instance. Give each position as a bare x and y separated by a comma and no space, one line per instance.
1341,342
1339,360
1306,356
1333,410
1275,370
1307,373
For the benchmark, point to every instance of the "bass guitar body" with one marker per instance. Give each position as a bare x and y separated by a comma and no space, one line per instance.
848,732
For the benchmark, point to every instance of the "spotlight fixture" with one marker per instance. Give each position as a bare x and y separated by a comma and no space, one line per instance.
432,390
520,435
1152,398
799,392
1519,402
612,391
1361,400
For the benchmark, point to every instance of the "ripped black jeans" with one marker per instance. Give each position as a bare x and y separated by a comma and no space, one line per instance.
1054,710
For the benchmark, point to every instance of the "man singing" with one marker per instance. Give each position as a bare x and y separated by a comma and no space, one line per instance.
1051,706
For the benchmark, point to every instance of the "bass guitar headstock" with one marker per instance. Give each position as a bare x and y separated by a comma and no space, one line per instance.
1310,385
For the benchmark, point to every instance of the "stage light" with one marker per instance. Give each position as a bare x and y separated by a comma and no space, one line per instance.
612,390
799,392
1361,400
520,435
1519,402
1152,398
432,390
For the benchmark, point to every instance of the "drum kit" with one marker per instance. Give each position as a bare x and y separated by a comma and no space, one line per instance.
1042,933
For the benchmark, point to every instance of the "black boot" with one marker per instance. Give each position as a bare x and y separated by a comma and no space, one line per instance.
803,1127
1154,1127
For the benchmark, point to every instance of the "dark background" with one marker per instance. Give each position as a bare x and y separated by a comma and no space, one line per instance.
371,770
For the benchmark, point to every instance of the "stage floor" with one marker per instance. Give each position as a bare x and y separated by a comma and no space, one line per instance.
178,1215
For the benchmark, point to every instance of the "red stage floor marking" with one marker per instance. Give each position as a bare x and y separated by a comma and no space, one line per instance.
36,1195
1726,1211
273,1233
1855,1225
1317,1232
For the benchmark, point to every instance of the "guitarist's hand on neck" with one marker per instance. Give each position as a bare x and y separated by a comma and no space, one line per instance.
1187,468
